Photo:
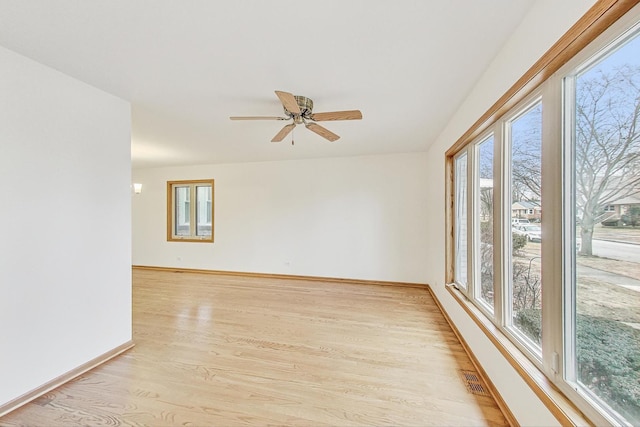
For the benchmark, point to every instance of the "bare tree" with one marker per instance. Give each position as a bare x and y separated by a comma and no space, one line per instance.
485,169
607,148
527,292
525,157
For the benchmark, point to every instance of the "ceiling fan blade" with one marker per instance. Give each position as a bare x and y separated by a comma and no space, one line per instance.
337,115
323,132
288,101
258,118
283,132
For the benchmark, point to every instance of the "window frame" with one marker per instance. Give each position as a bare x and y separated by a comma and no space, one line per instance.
546,77
193,206
476,210
468,230
500,315
616,35
520,110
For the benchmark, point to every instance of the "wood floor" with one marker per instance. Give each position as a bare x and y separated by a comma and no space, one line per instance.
216,350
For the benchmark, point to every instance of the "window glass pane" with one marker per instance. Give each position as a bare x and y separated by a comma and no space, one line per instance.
203,211
607,215
485,197
460,203
525,230
182,211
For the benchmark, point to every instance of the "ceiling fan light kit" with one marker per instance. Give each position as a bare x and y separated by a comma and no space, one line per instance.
299,109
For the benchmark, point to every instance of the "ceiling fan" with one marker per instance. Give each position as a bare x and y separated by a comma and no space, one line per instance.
300,110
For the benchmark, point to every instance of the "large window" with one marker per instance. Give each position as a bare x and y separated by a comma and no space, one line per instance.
190,210
602,100
547,237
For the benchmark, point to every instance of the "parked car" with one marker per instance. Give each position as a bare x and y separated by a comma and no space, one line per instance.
620,220
519,221
533,232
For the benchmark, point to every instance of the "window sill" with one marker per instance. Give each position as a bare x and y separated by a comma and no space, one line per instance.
556,402
176,239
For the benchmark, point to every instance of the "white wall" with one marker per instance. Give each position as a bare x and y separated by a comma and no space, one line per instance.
65,281
545,23
356,217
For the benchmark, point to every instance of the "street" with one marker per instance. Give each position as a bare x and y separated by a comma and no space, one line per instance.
616,250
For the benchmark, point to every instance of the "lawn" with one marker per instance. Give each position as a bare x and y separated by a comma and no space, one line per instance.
620,234
597,297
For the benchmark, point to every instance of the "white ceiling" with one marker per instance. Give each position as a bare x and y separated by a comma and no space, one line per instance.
186,66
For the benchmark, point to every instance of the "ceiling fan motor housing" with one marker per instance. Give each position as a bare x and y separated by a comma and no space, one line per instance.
305,104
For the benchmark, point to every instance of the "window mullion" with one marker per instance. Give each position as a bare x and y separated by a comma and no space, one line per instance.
498,228
503,226
473,245
551,246
569,214
192,210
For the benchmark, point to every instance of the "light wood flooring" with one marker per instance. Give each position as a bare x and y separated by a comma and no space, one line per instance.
214,350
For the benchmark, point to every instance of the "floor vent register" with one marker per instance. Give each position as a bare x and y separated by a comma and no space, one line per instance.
473,383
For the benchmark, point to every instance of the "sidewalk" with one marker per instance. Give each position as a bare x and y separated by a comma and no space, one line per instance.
617,241
616,234
611,278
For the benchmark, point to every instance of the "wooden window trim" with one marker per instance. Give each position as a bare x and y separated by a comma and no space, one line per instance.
593,23
170,218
